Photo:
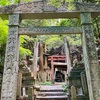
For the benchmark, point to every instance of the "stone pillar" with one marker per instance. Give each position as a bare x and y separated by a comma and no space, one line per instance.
73,93
84,83
90,57
0,90
9,84
19,84
30,93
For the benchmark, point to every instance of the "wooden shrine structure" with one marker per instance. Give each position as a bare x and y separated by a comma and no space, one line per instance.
40,9
54,62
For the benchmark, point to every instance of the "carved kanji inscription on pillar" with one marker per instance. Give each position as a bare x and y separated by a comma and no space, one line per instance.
9,84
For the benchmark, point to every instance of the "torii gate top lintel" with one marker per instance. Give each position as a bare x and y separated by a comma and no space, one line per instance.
43,10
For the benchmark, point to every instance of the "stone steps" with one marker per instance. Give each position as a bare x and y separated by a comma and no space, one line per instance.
54,92
51,98
51,93
51,90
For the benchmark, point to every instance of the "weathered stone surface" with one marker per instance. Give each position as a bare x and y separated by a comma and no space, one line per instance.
54,92
9,84
30,93
84,83
28,81
49,30
48,11
19,84
73,93
90,57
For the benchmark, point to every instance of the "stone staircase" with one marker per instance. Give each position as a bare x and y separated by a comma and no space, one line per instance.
54,92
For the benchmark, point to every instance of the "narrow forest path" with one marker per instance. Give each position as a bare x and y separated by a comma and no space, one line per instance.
53,92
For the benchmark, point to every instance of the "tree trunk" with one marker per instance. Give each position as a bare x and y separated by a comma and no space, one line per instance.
45,62
35,59
41,70
41,57
67,52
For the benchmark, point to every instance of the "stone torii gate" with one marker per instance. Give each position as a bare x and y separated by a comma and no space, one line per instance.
42,10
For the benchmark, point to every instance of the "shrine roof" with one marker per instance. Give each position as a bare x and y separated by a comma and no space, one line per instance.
43,10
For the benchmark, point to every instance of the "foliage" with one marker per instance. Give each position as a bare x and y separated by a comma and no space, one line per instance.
3,31
24,50
26,0
96,26
3,39
54,41
4,2
47,83
69,22
65,87
57,3
92,1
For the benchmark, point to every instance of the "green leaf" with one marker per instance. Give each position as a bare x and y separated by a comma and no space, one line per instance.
4,2
24,52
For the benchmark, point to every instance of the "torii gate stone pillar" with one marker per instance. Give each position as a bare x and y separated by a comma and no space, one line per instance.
11,60
90,57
